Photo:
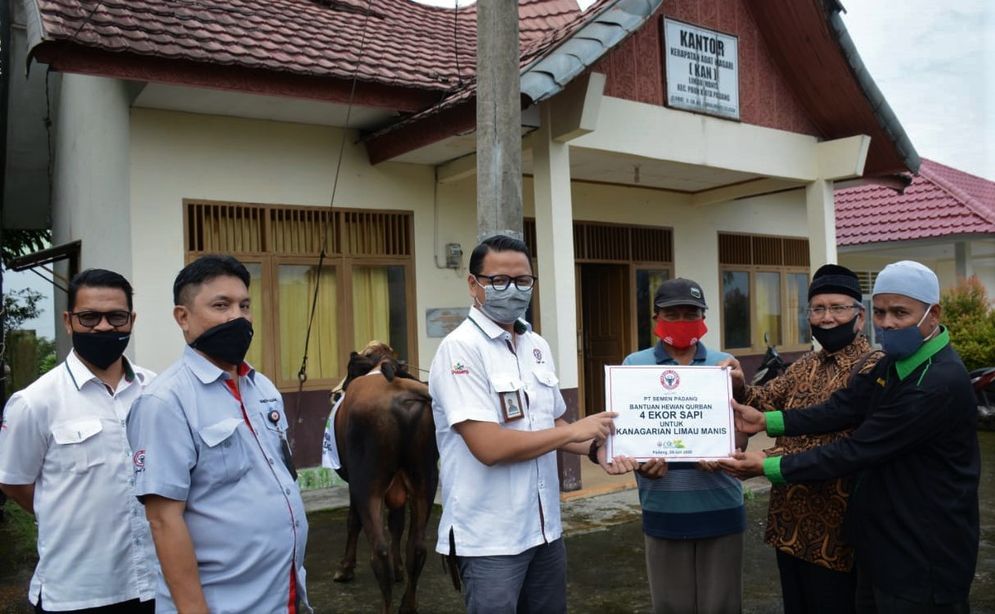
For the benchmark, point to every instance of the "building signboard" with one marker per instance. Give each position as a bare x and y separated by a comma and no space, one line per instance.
702,69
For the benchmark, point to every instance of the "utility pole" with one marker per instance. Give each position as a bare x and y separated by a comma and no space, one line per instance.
499,120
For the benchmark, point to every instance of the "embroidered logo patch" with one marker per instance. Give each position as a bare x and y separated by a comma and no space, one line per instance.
138,458
538,355
695,292
669,379
459,368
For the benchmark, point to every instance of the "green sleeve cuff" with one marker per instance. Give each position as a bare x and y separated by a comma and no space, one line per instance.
775,423
772,470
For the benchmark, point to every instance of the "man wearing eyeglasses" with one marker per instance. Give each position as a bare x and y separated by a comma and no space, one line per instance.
498,422
912,517
64,457
693,518
805,521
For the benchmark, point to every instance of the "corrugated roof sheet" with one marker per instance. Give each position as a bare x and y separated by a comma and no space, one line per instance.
941,201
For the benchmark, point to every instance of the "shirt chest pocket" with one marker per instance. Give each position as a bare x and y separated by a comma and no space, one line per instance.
544,393
78,444
224,458
509,394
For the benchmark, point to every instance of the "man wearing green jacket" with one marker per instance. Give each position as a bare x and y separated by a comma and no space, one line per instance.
913,518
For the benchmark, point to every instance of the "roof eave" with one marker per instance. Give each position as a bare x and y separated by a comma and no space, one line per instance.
549,74
69,57
541,79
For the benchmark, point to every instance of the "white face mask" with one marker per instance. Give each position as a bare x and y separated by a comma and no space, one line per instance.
505,306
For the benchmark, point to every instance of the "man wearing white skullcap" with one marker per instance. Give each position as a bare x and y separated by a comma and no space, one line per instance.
913,518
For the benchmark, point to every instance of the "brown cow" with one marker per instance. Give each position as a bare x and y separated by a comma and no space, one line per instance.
386,441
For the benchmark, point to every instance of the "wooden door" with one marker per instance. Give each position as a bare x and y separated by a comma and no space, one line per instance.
605,326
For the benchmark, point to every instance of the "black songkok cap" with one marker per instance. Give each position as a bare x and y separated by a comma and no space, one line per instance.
835,279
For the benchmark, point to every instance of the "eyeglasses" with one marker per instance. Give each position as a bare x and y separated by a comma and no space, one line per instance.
90,319
501,282
835,310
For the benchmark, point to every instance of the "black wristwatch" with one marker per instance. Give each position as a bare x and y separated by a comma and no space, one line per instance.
592,452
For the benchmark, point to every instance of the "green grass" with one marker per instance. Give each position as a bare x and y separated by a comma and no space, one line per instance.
19,531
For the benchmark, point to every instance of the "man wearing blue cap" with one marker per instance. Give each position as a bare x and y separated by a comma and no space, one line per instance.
913,517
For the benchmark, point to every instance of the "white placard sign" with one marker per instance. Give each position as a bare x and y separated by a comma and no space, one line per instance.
670,412
702,69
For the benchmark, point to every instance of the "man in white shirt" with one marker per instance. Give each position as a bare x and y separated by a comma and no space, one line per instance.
498,419
64,457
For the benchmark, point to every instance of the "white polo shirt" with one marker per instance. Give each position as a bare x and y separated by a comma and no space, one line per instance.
507,508
65,433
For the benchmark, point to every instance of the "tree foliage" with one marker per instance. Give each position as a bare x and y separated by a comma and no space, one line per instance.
20,306
17,243
968,314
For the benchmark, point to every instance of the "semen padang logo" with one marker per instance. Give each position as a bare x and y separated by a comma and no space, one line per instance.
138,459
669,379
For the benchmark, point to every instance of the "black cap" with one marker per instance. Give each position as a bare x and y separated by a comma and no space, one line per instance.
835,279
679,291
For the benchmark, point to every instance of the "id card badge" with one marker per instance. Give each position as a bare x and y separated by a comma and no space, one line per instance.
511,405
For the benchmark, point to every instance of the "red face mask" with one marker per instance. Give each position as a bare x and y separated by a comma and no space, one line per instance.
681,334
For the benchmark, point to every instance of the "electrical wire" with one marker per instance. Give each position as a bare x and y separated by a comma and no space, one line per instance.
302,372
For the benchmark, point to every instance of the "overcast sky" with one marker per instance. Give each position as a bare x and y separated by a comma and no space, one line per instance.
934,61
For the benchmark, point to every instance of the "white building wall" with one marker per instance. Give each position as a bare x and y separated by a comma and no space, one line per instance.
936,256
181,155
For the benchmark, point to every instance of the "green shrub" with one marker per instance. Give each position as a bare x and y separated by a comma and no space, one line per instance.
968,314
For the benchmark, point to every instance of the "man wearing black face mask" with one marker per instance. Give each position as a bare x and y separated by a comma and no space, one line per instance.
215,472
64,457
805,521
913,516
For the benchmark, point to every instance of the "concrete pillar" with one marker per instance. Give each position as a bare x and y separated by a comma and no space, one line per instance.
555,246
91,188
499,120
962,260
821,210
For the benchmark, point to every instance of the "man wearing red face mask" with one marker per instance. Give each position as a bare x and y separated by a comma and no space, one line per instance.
693,520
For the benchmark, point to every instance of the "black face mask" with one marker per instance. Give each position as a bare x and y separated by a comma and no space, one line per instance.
836,338
226,342
100,349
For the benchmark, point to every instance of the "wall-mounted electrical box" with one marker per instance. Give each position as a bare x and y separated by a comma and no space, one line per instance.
454,255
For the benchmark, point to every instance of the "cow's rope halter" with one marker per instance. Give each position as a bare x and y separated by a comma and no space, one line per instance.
302,372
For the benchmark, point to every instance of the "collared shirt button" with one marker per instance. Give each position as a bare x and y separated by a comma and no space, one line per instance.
286,490
297,523
270,460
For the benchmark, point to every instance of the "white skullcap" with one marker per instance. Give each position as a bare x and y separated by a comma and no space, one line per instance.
909,278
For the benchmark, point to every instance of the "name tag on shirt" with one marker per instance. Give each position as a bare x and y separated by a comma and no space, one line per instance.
511,405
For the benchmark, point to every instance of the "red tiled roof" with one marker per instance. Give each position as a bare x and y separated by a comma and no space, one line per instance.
941,201
407,44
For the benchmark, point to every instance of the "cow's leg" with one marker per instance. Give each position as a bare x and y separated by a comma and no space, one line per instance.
371,516
421,499
347,566
395,522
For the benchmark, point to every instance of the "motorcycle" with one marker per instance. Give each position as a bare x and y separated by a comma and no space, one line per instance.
771,366
983,382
